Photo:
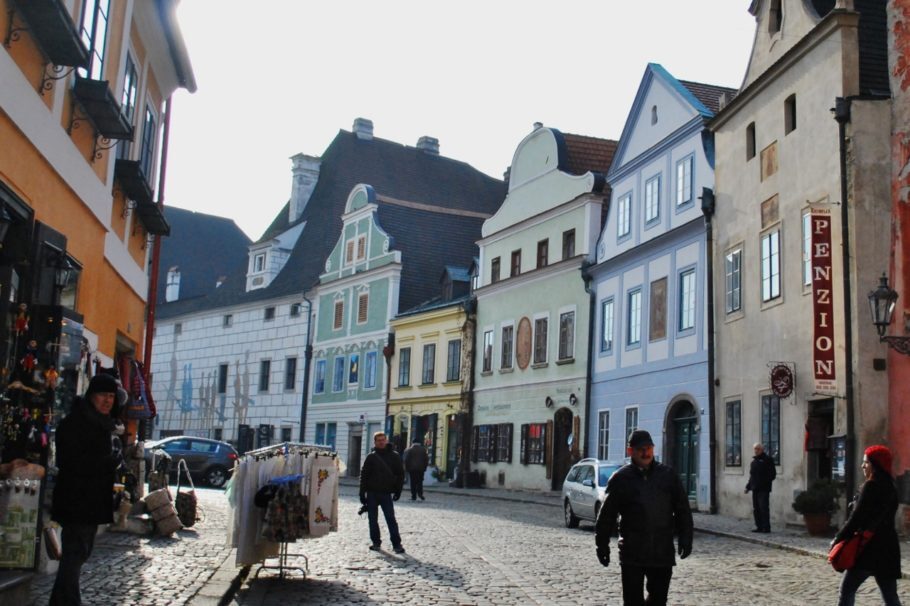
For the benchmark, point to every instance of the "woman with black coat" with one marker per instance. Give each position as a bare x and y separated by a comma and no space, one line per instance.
874,509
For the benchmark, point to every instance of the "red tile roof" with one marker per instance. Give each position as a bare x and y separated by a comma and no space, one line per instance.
709,94
588,153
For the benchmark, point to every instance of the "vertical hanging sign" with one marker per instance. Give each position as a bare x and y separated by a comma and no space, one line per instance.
822,302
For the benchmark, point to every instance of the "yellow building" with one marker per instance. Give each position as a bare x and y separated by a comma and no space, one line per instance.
430,382
84,110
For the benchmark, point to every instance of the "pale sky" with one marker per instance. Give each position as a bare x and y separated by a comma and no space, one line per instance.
280,77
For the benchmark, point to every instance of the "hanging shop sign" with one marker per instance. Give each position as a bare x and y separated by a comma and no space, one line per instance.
822,302
781,381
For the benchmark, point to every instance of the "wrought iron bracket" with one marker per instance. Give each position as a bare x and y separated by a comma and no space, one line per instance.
12,32
898,344
47,79
77,115
101,145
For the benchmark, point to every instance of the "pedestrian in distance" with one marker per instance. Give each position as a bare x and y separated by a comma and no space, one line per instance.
416,462
874,509
761,473
84,493
652,506
381,480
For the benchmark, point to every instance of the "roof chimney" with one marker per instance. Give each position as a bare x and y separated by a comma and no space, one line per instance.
538,125
172,285
363,128
305,174
428,144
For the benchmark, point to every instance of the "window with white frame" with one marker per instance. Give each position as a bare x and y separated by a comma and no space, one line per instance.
404,367
770,265
687,300
363,305
354,369
540,340
733,280
488,351
338,316
338,374
369,378
348,252
770,426
631,421
606,325
807,248
128,102
361,247
453,365
624,216
429,364
566,335
733,435
147,142
319,377
684,180
603,434
652,199
93,32
508,336
325,434
633,318
259,263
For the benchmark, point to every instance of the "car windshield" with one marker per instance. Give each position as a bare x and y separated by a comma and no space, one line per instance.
605,472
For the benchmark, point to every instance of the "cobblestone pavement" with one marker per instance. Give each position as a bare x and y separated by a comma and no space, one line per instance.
127,569
515,550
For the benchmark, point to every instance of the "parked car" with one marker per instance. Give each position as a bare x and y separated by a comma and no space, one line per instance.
585,488
209,461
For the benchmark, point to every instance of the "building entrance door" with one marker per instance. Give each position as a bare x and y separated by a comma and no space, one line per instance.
355,446
562,452
685,446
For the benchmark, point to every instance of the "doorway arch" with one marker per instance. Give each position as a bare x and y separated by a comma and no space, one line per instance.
682,443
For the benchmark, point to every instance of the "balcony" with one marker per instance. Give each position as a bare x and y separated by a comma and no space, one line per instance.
153,219
101,109
133,181
51,26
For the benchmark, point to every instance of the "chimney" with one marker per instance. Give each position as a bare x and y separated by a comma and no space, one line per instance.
429,145
363,128
172,285
722,101
538,125
305,174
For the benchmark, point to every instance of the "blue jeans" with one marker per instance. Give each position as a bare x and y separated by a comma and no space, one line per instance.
375,500
854,578
78,540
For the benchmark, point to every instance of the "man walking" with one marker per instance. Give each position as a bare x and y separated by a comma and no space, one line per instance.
381,479
652,504
415,463
761,474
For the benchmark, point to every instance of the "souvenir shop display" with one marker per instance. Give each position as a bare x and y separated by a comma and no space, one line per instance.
186,503
278,495
161,507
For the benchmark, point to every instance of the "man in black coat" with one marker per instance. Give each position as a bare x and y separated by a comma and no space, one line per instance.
84,492
761,474
653,506
416,461
381,479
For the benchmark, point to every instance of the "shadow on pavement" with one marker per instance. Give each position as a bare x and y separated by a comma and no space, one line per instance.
299,590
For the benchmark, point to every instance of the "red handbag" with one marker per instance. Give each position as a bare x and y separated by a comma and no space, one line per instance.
844,553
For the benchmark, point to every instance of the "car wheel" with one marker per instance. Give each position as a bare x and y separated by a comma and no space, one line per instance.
571,520
216,476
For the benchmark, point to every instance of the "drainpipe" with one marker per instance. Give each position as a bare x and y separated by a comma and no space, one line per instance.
842,116
588,280
307,362
469,335
707,208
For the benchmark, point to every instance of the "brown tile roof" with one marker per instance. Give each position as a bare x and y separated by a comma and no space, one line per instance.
709,94
588,153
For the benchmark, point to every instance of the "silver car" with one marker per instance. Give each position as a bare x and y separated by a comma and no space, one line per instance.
584,489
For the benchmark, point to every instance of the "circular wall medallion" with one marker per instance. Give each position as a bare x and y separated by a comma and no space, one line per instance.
523,343
781,381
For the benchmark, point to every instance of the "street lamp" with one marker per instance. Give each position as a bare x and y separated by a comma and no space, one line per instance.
62,271
881,303
5,221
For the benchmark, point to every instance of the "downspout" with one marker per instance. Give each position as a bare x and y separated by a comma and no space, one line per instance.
842,115
588,280
307,362
707,208
467,417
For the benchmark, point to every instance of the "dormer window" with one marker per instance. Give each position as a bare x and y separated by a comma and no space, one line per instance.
259,263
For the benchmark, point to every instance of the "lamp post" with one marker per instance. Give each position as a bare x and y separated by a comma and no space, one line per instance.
881,303
62,271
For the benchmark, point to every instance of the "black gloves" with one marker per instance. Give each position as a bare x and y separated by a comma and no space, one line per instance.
396,496
684,550
603,555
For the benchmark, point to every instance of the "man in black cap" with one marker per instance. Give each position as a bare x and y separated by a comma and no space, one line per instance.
653,506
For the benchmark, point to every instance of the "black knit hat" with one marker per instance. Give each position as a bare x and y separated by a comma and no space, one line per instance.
102,383
640,438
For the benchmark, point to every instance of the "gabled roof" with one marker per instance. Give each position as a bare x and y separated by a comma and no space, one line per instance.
709,94
585,154
189,248
396,172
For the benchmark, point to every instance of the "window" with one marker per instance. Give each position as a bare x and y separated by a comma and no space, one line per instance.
606,325
770,266
147,144
566,335
504,442
733,447
684,180
222,378
429,364
354,369
217,433
807,249
603,434
750,141
733,264
540,340
624,216
453,364
508,335
492,443
269,313
369,379
295,310
568,244
363,304
227,321
652,199
404,367
481,447
533,444
319,380
259,263
265,367
633,321
488,351
775,17
516,263
290,373
93,32
790,114
770,426
338,320
653,115
338,374
128,102
325,434
494,271
542,253
361,247
285,434
348,252
687,299
178,328
631,422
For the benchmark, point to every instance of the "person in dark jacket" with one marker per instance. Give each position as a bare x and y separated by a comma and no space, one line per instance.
416,462
761,473
381,479
83,495
653,506
874,509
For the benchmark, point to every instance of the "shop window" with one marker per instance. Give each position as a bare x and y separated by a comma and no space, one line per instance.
534,444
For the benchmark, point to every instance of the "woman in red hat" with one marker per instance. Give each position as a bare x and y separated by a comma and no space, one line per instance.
874,509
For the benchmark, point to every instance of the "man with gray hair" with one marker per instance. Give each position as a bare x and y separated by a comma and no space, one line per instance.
761,473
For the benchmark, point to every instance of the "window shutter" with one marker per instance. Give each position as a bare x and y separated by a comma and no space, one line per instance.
524,444
507,431
548,448
432,421
339,314
362,305
492,446
475,437
349,252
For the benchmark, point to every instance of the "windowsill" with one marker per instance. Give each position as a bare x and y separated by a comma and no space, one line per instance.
486,373
686,332
733,316
565,361
606,353
540,365
453,382
506,370
779,300
404,387
730,470
651,223
426,385
685,206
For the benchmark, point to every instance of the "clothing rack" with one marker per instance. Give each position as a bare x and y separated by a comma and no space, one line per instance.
288,448
282,566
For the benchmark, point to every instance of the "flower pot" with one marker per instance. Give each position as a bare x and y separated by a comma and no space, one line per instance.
817,524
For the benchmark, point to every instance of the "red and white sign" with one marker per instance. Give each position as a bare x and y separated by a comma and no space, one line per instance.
822,302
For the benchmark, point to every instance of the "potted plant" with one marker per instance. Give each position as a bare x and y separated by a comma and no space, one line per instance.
817,504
